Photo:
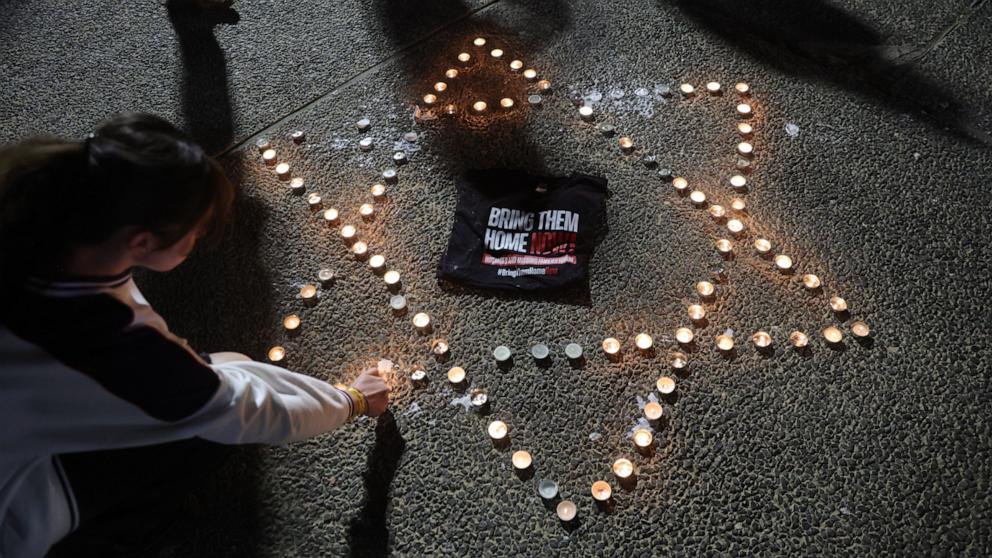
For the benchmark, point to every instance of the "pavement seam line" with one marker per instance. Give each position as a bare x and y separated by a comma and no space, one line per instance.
402,51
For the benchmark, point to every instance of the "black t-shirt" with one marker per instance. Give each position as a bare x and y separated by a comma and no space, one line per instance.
513,230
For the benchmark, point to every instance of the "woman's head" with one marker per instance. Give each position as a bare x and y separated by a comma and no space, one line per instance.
136,184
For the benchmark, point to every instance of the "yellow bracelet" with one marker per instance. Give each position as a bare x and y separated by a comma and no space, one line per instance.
361,404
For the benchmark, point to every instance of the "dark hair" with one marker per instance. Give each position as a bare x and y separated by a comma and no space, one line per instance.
135,170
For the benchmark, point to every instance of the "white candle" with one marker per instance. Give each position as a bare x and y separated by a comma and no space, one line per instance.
378,191
687,89
331,215
678,360
601,491
325,276
440,86
479,106
643,437
684,335
366,210
418,375
456,375
653,410
724,246
665,385
783,262
314,200
860,329
717,211
761,339
263,144
363,124
544,85
464,57
430,99
744,109
626,144
838,304
811,281
502,354
725,342
479,41
762,245
530,74
516,65
735,226
680,183
738,182
611,346
439,347
397,303
291,322
521,460
738,204
573,351
705,288
269,156
296,185
421,320
696,312
359,249
365,144
377,261
547,488
585,112
506,103
348,232
496,53
298,136
697,197
713,87
743,88
391,277
833,334
498,430
744,129
451,73
643,341
798,339
276,354
623,468
479,398
566,510
745,148
308,292
282,171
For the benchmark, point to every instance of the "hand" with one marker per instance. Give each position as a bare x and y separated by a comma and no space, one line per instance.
375,390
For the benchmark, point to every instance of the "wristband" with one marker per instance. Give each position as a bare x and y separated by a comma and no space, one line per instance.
361,403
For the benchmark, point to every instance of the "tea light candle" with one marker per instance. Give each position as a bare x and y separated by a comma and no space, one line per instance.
743,88
418,375
308,292
833,334
811,281
798,339
643,341
502,354
421,320
623,468
535,99
497,430
430,99
479,41
456,375
547,488
506,103
348,232
464,57
496,53
291,322
298,136
838,304
713,88
717,212
744,109
378,191
735,226
860,329
325,276
296,185
439,347
783,262
359,249
585,112
540,351
696,312
391,277
626,144
653,410
276,354
365,144
601,491
377,261
440,87
678,360
680,184
697,197
364,124
521,460
366,210
738,204
516,65
665,385
398,303
544,85
269,157
687,89
724,342
530,74
314,201
573,351
451,73
738,182
399,157
744,129
724,246
761,339
684,335
643,438
745,148
611,346
566,510
762,245
705,288
263,144
479,106
479,398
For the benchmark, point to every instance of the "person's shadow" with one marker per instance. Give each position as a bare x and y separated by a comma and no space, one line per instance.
206,101
368,534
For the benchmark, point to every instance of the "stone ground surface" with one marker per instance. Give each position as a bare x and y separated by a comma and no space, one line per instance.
872,153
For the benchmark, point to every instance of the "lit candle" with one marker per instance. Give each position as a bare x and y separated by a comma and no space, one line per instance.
665,385
378,191
736,226
623,468
611,346
331,215
738,204
680,183
479,398
348,232
761,339
743,88
724,246
291,322
798,339
496,53
269,156
678,360
497,430
479,106
516,65
762,245
502,354
643,438
263,144
832,334
530,74
440,86
860,329
506,103
457,375
738,182
725,342
366,210
363,124
451,73
391,277
308,292
696,312
566,510
544,85
464,57
838,304
713,87
276,354
398,304
439,347
601,491
697,197
626,144
811,281
705,288
744,109
684,335
783,262
653,410
643,341
450,110
314,201
521,460
377,261
573,351
418,375
421,321
479,41
325,276
430,99
745,148
296,185
687,89
359,249
744,129
365,144
717,211
585,112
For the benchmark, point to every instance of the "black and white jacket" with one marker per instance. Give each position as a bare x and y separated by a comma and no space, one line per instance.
87,364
